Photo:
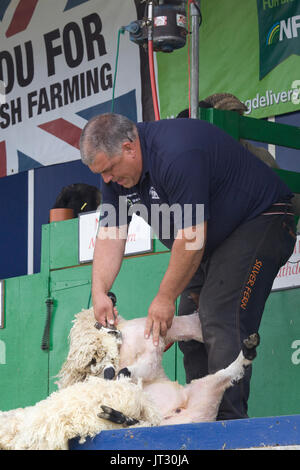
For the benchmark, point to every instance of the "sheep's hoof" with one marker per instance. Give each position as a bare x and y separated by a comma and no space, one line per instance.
249,346
124,372
116,416
109,373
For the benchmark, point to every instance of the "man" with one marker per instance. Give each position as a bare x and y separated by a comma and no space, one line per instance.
233,232
190,297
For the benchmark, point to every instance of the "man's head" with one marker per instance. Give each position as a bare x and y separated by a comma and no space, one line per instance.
109,145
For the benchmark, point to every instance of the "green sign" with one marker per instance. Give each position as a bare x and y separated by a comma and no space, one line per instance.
279,32
249,48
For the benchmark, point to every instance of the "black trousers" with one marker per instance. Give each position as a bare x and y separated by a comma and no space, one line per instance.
233,285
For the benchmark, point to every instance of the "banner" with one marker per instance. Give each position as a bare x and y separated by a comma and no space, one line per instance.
57,63
289,274
279,22
249,48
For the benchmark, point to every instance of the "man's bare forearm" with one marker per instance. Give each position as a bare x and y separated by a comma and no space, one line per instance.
186,255
108,256
106,264
182,266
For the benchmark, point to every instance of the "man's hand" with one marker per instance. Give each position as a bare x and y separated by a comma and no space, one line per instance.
108,255
104,311
160,317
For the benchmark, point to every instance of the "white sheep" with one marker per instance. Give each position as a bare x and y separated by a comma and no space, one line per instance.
73,412
85,403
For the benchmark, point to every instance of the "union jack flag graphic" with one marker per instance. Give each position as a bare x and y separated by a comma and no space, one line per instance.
57,64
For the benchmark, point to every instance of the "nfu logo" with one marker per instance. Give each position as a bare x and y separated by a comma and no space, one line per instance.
284,29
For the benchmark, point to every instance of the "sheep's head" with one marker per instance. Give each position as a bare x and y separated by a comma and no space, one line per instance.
92,350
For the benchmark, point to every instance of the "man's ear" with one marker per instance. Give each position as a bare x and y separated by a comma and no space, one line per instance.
128,146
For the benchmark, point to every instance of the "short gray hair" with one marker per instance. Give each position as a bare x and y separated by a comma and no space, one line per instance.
105,133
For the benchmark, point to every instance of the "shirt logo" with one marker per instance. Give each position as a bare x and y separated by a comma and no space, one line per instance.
132,198
153,194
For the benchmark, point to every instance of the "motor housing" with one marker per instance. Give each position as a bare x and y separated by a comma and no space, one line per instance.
169,27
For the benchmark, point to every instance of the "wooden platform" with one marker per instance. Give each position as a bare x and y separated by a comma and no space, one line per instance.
220,435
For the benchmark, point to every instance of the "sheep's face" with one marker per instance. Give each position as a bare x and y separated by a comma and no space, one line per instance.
91,351
103,355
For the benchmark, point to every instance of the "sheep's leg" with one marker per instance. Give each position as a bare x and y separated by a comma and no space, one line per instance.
148,366
235,371
232,374
205,395
249,346
185,328
116,416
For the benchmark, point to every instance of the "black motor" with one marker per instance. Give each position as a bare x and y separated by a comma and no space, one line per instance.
169,26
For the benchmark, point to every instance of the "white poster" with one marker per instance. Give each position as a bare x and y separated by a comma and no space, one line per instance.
57,63
139,237
289,275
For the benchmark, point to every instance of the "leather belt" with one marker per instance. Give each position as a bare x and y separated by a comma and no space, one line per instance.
279,208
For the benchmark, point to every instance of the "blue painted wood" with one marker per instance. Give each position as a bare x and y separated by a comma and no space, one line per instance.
232,434
13,225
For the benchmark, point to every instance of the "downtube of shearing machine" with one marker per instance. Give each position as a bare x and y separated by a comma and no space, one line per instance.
151,62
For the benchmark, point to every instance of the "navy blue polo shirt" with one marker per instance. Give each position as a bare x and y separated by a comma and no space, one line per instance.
193,165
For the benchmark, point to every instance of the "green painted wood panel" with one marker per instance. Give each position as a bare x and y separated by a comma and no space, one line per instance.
24,373
70,290
275,385
63,244
242,127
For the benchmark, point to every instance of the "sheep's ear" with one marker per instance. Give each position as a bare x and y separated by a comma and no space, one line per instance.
92,362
